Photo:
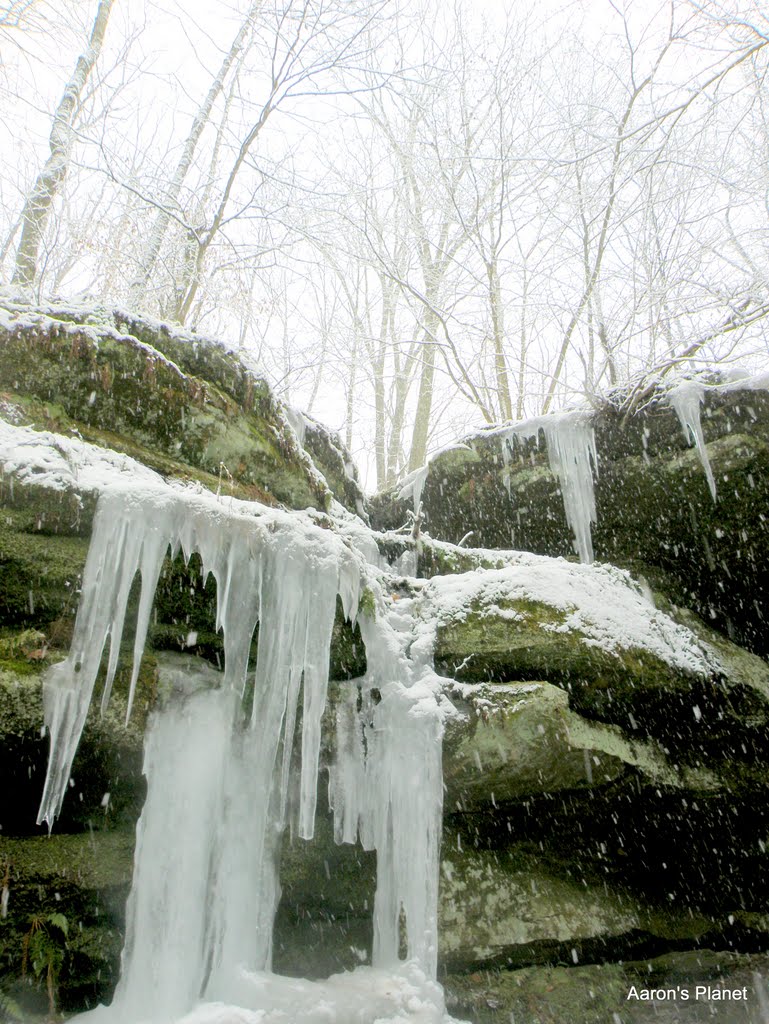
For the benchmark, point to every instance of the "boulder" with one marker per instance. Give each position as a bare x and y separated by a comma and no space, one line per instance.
180,404
655,513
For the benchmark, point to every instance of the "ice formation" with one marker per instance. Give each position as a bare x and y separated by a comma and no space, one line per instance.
686,399
221,777
573,459
413,486
387,783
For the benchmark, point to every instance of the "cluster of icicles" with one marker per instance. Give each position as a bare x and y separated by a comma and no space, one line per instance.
573,458
221,785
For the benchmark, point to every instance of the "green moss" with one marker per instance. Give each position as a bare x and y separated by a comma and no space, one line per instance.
91,860
367,604
327,452
107,383
437,558
86,877
108,758
40,576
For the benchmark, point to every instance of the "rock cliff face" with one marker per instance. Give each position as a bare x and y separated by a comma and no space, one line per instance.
606,818
654,512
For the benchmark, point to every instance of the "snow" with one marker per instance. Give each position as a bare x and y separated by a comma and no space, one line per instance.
600,602
747,382
367,995
43,459
79,320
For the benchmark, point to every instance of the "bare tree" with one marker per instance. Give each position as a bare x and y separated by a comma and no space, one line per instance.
48,182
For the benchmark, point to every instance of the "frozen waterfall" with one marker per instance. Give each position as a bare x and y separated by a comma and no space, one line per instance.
221,789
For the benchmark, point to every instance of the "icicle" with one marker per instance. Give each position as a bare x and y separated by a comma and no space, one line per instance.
686,399
347,778
119,525
131,533
572,455
413,486
153,552
387,786
573,459
297,422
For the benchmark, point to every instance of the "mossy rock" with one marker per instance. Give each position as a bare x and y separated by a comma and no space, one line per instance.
84,877
513,908
329,454
654,507
110,385
544,995
40,571
598,994
494,901
691,714
519,739
107,787
324,922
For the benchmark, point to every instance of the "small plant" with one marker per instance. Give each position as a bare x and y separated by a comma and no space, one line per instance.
367,603
43,948
10,1011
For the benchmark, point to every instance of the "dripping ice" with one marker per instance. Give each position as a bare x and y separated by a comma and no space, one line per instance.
573,459
221,784
686,399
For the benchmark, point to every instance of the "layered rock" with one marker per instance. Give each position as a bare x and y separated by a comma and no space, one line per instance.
655,513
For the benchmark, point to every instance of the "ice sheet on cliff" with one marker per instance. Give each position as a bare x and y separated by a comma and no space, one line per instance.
219,789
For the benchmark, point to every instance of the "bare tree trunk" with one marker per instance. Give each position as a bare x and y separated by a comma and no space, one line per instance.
403,379
159,228
498,330
523,355
378,370
351,393
418,452
40,199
